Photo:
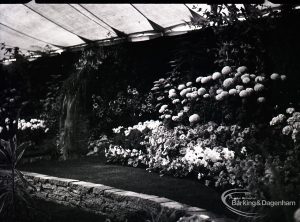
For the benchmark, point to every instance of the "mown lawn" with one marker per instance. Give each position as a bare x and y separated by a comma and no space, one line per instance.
94,169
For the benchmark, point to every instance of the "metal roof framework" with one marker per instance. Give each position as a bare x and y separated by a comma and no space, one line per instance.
36,27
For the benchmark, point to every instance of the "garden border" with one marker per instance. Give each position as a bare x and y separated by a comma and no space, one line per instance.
116,204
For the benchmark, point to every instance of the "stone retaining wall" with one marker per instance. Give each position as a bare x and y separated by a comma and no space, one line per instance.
116,204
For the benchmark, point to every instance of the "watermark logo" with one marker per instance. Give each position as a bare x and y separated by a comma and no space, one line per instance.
241,202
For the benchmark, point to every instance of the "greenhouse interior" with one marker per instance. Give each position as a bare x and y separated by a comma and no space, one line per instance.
149,112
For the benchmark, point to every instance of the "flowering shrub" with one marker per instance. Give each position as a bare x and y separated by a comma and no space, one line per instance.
212,97
32,130
130,148
126,109
266,173
33,124
290,126
203,151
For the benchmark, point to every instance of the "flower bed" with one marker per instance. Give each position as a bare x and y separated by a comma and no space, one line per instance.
210,131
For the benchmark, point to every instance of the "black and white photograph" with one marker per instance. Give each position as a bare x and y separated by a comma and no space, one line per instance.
149,112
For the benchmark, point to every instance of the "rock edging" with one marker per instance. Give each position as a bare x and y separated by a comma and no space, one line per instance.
116,204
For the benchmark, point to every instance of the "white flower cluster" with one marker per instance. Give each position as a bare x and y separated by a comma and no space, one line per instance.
141,126
33,124
202,156
218,86
116,153
277,120
292,124
118,129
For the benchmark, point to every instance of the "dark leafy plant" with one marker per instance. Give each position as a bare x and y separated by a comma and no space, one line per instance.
14,195
238,32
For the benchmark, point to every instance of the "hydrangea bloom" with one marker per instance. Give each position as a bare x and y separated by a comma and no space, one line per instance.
219,91
287,130
185,91
243,93
249,91
216,75
206,79
194,95
261,99
242,69
290,110
219,97
246,75
259,79
239,87
277,120
188,84
275,76
199,79
232,92
283,77
181,87
228,82
206,96
226,70
259,87
246,80
224,94
201,91
238,74
194,118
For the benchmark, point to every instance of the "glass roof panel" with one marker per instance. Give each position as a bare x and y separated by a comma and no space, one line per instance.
12,39
122,17
165,15
73,20
23,19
